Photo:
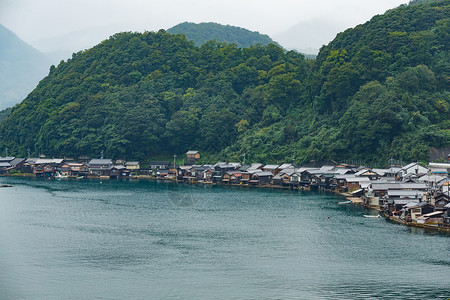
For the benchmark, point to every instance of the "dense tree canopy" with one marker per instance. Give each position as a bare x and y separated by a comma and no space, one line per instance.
377,91
203,32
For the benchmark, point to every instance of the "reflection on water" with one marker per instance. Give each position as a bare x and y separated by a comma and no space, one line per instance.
141,240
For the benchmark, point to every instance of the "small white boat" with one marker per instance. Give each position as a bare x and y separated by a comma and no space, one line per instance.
344,202
372,216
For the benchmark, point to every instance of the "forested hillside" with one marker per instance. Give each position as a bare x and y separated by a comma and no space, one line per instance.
377,91
204,32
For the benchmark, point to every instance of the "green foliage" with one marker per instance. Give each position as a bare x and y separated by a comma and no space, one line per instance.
204,32
379,90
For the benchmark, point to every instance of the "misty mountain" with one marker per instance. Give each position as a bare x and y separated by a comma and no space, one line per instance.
204,32
309,36
21,68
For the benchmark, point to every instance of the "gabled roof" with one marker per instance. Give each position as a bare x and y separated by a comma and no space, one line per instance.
43,161
286,171
404,193
285,166
191,152
256,166
100,161
361,172
357,179
6,159
263,173
118,167
131,163
244,168
277,177
5,164
327,168
271,167
411,165
16,161
315,171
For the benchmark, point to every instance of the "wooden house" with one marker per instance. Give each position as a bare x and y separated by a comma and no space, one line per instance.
225,167
414,211
441,200
49,170
356,183
198,173
184,173
287,177
232,177
209,175
277,180
132,165
226,178
156,165
119,171
327,181
274,169
246,177
46,167
261,178
192,156
174,171
371,174
8,164
27,166
162,173
236,178
380,189
100,167
64,170
412,169
38,170
78,169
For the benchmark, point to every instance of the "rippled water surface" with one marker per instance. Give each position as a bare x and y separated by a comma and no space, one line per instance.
158,240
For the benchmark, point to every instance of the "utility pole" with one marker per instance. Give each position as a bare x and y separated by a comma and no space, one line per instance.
28,151
6,150
174,157
101,155
243,163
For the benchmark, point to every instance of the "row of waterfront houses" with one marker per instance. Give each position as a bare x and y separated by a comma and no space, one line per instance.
59,167
411,193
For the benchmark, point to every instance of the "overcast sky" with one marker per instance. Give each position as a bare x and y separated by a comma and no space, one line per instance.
34,20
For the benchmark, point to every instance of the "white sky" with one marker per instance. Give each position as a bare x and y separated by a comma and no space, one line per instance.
34,20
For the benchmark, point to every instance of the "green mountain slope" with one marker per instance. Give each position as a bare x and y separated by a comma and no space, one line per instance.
377,91
204,32
21,68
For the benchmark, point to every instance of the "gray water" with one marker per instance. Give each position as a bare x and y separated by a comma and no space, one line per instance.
158,240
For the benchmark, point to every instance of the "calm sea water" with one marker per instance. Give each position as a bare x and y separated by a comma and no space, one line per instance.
158,240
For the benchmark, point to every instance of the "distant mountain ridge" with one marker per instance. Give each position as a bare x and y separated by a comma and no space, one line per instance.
204,32
21,68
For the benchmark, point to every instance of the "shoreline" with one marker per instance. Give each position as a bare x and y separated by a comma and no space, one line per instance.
354,200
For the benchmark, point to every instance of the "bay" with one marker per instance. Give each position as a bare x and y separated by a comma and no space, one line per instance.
93,239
